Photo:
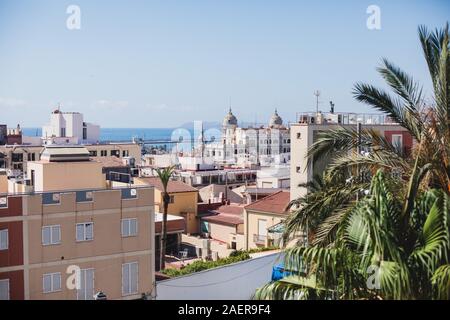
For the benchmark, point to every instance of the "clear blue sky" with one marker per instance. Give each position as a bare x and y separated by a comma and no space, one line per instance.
162,63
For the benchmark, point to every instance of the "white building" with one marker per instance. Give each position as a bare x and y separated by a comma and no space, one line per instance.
263,145
277,176
69,128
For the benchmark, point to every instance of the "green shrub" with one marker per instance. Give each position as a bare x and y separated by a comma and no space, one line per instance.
201,265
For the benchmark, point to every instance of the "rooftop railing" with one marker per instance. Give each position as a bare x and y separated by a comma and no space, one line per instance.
343,118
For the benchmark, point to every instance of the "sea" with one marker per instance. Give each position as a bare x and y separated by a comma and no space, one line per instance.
120,134
127,135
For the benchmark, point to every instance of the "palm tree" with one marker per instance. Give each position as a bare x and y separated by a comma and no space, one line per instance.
399,227
429,124
384,249
164,175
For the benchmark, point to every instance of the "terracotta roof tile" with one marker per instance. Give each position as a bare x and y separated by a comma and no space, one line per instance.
232,219
275,203
110,162
228,214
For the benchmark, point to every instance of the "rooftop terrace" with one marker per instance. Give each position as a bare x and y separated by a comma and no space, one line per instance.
343,118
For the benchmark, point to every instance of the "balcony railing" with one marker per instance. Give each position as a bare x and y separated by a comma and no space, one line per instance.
259,239
343,118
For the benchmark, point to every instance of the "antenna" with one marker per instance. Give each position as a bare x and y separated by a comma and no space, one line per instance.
317,94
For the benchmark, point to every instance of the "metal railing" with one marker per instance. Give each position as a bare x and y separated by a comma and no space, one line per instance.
343,118
259,239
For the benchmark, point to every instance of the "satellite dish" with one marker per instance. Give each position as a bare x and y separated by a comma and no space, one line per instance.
100,296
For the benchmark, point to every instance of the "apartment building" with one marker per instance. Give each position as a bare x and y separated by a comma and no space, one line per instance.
69,128
224,224
75,234
15,158
263,220
305,132
64,128
183,200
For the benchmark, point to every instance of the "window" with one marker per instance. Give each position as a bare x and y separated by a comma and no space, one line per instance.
297,169
31,156
129,278
397,141
17,157
103,153
125,153
172,199
93,153
129,227
51,282
85,231
299,135
51,235
262,227
4,289
86,291
63,132
4,239
84,133
115,153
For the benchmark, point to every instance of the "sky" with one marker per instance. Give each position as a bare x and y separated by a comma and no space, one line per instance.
149,64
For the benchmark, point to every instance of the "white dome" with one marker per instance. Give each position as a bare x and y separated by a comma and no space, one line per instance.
230,119
275,120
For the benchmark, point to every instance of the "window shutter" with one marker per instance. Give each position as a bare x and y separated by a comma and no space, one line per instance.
80,232
89,231
47,283
133,227
4,239
56,234
4,289
56,281
134,277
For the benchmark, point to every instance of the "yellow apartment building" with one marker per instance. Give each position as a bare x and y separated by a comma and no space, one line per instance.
75,235
262,217
183,200
16,157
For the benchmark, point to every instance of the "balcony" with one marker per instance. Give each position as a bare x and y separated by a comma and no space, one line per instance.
343,118
259,239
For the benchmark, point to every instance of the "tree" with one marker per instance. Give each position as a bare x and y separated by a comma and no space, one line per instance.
384,249
428,123
164,175
398,227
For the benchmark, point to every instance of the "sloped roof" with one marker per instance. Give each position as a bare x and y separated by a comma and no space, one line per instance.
227,214
225,218
110,162
275,203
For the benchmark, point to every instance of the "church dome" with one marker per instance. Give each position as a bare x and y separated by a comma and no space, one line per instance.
275,120
230,119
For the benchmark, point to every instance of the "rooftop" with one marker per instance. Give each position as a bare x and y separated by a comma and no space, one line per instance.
228,214
64,154
262,190
275,203
111,162
343,118
174,186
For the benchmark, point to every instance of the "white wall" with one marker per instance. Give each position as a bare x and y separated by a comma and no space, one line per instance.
236,281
